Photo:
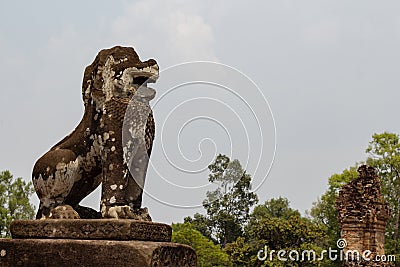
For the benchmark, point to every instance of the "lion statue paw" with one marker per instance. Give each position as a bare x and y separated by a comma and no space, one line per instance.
62,212
126,212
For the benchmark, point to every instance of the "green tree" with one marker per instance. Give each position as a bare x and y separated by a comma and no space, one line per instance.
384,155
276,208
208,253
14,201
229,205
202,224
275,226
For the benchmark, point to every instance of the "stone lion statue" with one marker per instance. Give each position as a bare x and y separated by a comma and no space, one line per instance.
95,153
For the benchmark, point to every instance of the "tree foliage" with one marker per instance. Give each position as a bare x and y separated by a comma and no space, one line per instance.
228,206
384,154
275,226
14,201
202,224
208,254
275,208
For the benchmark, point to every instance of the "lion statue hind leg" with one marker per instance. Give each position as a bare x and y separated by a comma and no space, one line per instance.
53,176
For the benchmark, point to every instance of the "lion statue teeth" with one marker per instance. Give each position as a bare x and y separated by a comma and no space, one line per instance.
95,152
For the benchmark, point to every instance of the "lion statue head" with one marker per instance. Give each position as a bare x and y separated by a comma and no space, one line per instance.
116,72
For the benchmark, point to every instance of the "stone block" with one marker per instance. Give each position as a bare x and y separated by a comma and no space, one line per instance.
70,252
102,229
94,242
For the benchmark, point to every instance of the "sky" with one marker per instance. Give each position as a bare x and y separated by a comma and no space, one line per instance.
296,90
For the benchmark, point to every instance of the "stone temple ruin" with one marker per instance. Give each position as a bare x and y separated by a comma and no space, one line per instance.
363,215
111,146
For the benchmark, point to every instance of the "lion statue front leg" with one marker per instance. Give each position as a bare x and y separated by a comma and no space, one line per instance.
121,192
126,159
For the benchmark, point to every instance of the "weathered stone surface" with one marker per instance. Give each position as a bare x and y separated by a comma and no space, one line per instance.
64,252
106,229
362,217
104,148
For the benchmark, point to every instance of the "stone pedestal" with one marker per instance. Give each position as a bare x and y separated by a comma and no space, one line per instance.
93,243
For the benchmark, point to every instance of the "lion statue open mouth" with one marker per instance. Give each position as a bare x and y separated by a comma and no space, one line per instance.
95,152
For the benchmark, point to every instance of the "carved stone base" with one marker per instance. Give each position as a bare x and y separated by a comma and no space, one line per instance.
96,242
64,252
105,229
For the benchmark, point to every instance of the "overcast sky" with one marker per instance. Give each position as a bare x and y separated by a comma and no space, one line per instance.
328,70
